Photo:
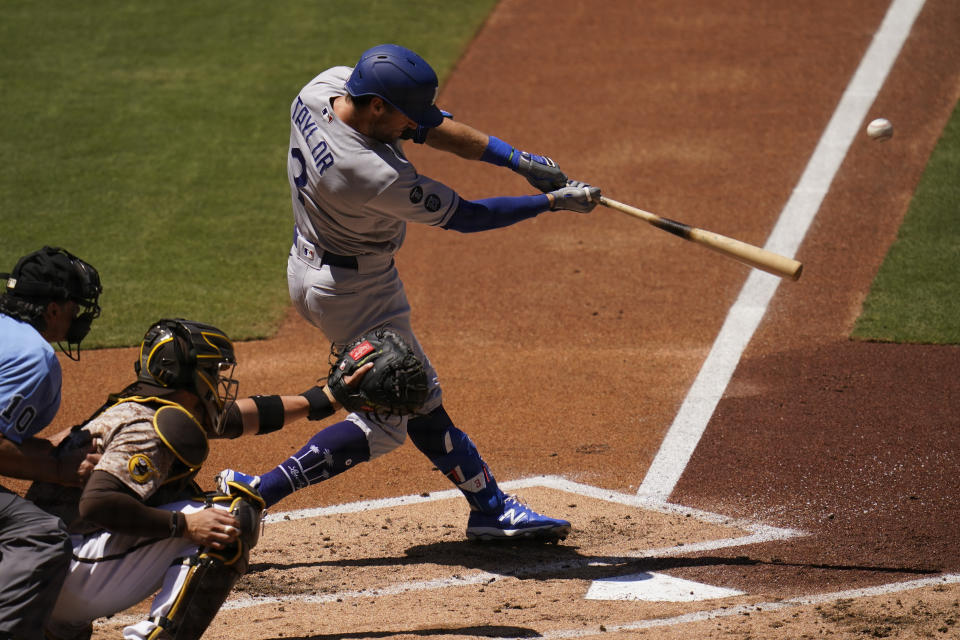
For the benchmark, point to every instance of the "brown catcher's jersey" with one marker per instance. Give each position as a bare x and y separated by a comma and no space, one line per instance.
142,443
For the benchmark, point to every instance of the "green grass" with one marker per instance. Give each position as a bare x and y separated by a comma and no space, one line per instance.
916,294
150,139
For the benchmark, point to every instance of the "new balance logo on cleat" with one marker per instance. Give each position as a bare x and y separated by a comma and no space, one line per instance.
516,521
225,477
512,516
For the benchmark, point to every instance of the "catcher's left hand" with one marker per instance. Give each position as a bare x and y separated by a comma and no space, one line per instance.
397,383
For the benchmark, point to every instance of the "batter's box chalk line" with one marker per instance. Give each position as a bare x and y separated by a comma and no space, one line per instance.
757,533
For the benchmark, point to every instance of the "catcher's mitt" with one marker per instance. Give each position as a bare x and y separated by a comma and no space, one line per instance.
397,383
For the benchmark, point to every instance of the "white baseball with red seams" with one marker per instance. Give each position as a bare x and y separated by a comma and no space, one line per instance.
880,129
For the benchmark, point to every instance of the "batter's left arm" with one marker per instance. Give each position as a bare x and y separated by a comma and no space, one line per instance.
469,143
459,139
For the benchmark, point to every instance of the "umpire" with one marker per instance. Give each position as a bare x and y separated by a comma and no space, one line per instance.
51,296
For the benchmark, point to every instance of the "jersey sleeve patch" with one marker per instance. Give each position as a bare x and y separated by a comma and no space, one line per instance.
416,198
141,468
136,457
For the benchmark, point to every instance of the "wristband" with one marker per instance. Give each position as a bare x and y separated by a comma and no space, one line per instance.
320,406
270,413
500,153
178,522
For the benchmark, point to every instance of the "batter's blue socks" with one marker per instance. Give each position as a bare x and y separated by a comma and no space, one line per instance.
455,455
329,452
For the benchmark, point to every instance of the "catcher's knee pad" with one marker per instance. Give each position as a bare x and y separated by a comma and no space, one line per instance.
246,505
213,572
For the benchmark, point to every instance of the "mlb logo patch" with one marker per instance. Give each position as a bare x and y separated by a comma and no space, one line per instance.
325,112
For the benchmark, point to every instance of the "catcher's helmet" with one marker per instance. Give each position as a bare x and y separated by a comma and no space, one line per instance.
182,354
402,78
52,274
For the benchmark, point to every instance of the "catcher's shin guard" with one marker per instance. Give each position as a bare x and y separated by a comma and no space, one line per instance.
212,573
455,455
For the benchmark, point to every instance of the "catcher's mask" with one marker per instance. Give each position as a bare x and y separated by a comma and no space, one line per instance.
196,357
53,274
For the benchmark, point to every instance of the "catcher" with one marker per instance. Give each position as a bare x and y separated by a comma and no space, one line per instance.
141,509
395,385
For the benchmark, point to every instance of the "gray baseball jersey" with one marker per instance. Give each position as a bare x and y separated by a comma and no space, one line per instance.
352,194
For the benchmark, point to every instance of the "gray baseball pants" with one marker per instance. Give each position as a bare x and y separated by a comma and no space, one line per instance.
35,552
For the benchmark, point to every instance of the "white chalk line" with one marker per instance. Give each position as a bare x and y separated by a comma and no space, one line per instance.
757,533
795,219
700,616
708,388
557,483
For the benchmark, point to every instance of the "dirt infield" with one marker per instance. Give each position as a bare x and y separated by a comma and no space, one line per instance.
566,345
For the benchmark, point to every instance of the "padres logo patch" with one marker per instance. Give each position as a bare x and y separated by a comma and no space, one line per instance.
141,468
432,203
416,194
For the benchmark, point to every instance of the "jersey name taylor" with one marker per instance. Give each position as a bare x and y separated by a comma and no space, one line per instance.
353,195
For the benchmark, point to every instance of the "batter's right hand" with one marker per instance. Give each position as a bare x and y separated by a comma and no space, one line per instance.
211,528
576,196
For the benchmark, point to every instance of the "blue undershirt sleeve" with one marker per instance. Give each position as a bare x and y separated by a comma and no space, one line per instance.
493,213
500,153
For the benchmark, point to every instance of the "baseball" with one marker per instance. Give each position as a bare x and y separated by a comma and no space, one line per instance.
880,129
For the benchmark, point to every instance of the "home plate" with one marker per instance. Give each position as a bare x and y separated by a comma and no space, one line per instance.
655,587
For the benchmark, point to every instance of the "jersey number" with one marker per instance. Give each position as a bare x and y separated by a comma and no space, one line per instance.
300,180
322,160
22,420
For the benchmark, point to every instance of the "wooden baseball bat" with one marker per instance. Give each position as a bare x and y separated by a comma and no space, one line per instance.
741,251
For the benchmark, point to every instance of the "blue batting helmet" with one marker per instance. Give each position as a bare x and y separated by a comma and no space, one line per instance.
402,78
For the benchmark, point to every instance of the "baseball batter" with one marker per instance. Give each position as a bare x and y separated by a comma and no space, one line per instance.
353,192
